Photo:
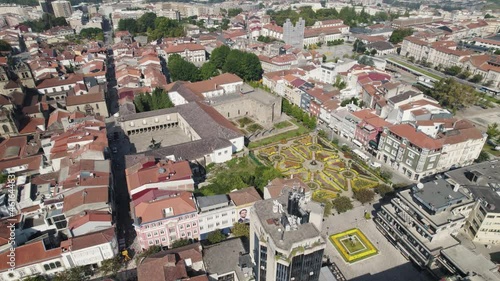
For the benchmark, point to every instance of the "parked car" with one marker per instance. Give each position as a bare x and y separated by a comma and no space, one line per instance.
375,164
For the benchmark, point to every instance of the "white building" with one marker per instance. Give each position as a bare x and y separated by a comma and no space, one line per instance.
215,212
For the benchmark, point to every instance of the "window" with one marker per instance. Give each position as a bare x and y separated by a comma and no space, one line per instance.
224,214
183,234
181,227
155,233
411,154
188,225
153,225
171,230
148,235
157,241
194,224
150,242
195,231
219,153
189,234
163,239
225,151
162,232
97,106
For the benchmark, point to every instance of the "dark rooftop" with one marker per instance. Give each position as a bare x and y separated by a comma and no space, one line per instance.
482,180
205,202
437,194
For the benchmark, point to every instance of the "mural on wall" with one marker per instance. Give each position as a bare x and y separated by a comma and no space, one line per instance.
244,216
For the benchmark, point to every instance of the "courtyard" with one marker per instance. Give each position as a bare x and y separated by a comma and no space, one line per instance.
169,137
326,170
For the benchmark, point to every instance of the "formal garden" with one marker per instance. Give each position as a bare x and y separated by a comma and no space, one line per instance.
325,169
353,245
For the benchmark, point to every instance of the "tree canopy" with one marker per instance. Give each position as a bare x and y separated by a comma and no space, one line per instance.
245,65
364,195
342,204
92,33
215,236
155,27
399,34
347,14
208,70
157,100
299,114
181,69
452,94
5,46
234,12
366,60
219,55
240,229
46,22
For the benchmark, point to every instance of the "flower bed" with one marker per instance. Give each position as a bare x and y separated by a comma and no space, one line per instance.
303,151
289,164
321,195
359,170
353,245
307,140
270,150
360,182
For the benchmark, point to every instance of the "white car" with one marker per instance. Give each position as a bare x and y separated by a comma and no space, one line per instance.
375,164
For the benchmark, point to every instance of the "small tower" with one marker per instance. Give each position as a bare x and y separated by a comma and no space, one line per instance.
23,72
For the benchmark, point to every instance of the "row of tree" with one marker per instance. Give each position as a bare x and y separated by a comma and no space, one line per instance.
463,74
92,33
399,34
299,114
347,14
452,94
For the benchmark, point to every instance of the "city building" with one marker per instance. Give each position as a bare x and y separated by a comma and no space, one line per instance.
215,212
482,181
236,264
285,238
420,220
62,8
163,219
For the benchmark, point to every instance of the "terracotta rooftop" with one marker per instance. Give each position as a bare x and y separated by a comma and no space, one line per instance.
86,196
417,138
28,254
154,211
245,196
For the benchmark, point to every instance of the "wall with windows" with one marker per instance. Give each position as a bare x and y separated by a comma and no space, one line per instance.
222,219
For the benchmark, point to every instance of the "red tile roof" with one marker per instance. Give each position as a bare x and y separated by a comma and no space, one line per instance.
154,211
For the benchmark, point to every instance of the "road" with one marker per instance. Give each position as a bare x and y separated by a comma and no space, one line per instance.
432,70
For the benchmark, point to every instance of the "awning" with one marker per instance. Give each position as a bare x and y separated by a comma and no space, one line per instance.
373,144
356,142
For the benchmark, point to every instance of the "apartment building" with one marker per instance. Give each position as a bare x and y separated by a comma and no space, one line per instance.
482,182
417,154
215,212
62,8
420,220
280,247
191,52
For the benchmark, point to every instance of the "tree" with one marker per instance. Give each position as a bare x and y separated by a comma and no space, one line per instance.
364,195
453,94
160,99
145,22
73,274
411,59
324,59
366,60
234,12
215,236
342,204
5,46
91,33
399,34
111,265
240,229
182,70
245,65
493,131
265,39
383,189
386,175
464,74
488,16
453,70
128,24
483,156
358,46
219,55
208,70
476,78
373,52
46,22
180,243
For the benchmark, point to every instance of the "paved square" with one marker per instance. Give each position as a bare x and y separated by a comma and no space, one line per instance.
353,245
387,265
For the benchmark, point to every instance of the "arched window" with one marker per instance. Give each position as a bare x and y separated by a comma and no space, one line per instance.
5,129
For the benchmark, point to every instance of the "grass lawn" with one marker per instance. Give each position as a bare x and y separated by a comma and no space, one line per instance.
418,69
352,246
254,127
491,150
244,121
286,135
282,125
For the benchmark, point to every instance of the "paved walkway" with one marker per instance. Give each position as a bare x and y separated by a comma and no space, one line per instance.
389,264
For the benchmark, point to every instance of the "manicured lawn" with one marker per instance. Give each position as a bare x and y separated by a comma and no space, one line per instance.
418,69
244,121
491,150
254,127
286,135
282,125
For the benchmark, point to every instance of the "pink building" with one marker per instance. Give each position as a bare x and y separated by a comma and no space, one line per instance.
162,217
368,129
